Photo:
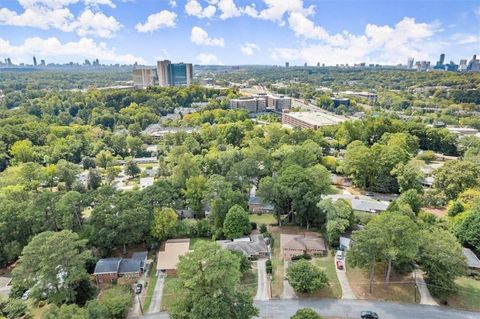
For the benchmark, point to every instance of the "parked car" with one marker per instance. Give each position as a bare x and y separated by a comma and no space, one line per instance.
369,315
339,254
25,295
138,289
339,265
369,194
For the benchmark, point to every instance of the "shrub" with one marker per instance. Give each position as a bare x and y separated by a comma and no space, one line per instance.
306,313
269,267
15,308
263,228
300,257
306,277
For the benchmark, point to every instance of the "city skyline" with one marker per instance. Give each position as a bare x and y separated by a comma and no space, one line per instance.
236,32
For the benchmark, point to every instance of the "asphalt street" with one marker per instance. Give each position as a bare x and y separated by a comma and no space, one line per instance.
344,308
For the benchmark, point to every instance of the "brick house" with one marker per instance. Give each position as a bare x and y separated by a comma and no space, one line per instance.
109,269
296,245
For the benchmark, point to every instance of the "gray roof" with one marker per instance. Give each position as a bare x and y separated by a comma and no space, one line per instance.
141,255
130,265
107,265
472,259
369,205
254,247
254,200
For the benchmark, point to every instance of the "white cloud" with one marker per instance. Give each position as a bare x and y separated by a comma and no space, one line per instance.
96,23
162,19
276,9
172,3
65,52
249,48
206,58
194,8
378,44
464,38
229,9
200,37
46,14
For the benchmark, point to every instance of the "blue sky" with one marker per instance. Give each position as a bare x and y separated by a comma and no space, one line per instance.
239,31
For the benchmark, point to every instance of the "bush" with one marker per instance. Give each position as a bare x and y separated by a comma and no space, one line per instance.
300,257
15,308
363,218
306,277
263,228
427,156
306,313
254,225
269,267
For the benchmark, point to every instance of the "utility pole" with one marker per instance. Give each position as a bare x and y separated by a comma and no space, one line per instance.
140,303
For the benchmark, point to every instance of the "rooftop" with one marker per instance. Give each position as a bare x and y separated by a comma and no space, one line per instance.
174,248
107,265
472,259
317,118
302,242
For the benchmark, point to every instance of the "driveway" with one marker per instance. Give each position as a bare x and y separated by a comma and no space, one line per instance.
347,292
157,296
262,287
288,292
425,296
136,310
343,308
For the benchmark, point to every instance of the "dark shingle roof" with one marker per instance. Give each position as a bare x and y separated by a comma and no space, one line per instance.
130,265
141,255
107,265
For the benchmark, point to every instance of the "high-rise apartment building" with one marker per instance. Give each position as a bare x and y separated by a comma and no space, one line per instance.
474,64
164,74
144,77
174,74
463,65
410,63
34,61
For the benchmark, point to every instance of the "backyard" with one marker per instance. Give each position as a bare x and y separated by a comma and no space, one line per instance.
267,219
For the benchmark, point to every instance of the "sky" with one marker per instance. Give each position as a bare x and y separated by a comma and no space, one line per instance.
236,32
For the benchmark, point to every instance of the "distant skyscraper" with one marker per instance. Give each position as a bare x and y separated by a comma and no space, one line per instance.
305,65
440,63
318,64
474,64
287,64
144,77
410,63
34,61
463,65
42,62
174,74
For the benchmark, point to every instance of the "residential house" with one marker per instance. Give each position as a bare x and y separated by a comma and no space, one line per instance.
296,245
168,259
361,202
253,247
110,269
473,262
257,206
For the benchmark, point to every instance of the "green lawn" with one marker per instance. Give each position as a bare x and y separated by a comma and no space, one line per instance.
168,292
266,219
152,281
249,282
333,290
468,295
277,265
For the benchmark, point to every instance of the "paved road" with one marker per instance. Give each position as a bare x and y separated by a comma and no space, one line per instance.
288,292
347,292
157,296
343,308
425,296
262,287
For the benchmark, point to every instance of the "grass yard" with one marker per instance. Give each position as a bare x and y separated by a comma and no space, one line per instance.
168,292
152,281
333,290
277,265
401,287
249,283
468,296
267,219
